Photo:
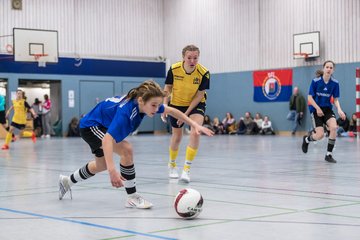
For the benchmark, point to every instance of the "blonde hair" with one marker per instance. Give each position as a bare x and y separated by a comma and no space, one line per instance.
190,48
146,91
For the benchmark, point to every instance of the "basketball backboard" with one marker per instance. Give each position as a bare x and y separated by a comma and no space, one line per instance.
34,45
306,45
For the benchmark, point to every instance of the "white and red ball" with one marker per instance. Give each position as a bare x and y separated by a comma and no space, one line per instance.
188,203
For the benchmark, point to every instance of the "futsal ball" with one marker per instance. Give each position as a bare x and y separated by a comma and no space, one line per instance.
188,203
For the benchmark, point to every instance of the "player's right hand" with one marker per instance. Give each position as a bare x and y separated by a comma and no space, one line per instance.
116,179
319,112
200,129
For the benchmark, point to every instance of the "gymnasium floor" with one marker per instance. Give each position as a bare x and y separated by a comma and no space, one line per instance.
254,187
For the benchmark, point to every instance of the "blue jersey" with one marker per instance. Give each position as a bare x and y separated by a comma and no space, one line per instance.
322,92
119,115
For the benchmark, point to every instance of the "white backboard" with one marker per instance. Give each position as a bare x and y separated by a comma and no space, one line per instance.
307,43
30,42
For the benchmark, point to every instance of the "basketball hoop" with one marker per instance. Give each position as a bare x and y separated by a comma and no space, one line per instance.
302,55
40,60
9,48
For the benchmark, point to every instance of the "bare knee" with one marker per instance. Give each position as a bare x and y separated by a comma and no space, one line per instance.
194,135
332,128
319,135
125,150
100,164
176,137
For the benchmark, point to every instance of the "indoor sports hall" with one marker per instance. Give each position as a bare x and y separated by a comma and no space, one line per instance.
264,174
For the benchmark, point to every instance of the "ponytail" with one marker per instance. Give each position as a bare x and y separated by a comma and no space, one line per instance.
146,90
319,73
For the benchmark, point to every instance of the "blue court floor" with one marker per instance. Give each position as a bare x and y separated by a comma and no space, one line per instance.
254,187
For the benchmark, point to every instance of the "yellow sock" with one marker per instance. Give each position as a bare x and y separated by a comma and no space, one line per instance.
172,158
8,138
27,134
189,157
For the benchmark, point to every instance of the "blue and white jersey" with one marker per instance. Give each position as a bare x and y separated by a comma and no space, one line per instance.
322,92
119,115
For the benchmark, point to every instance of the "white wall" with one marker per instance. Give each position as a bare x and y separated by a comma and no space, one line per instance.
233,35
238,35
226,31
111,28
337,20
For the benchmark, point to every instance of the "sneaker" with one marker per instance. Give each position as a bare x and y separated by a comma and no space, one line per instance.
5,147
64,186
173,172
185,177
136,201
305,145
33,137
47,136
330,159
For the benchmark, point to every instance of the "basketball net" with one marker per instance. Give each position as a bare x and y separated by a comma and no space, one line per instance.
41,61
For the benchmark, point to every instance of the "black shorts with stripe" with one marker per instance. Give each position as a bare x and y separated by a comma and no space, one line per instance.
93,136
199,109
321,121
18,126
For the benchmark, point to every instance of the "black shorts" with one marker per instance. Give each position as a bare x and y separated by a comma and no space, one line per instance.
93,136
199,109
18,126
321,121
2,117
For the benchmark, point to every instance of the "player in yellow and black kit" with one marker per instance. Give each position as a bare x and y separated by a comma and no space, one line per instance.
20,107
185,85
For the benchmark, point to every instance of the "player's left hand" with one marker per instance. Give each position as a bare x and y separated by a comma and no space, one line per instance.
341,114
163,117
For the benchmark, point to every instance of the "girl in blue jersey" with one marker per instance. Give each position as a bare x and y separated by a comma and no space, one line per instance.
106,126
320,92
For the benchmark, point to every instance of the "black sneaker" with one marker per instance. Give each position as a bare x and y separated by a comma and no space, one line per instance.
330,159
305,145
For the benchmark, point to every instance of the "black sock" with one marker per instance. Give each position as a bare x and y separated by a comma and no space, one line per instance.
310,138
81,174
128,172
331,144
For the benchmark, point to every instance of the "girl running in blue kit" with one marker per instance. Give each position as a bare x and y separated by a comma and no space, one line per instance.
106,126
320,92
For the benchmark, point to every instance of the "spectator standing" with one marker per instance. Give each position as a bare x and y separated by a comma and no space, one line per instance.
46,117
297,108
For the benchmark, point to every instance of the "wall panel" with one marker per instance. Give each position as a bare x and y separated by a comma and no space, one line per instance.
92,28
226,31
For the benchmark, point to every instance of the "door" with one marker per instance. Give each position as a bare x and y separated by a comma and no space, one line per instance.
93,92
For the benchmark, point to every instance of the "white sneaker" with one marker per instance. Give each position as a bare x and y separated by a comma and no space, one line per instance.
64,186
136,201
173,172
48,136
185,177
